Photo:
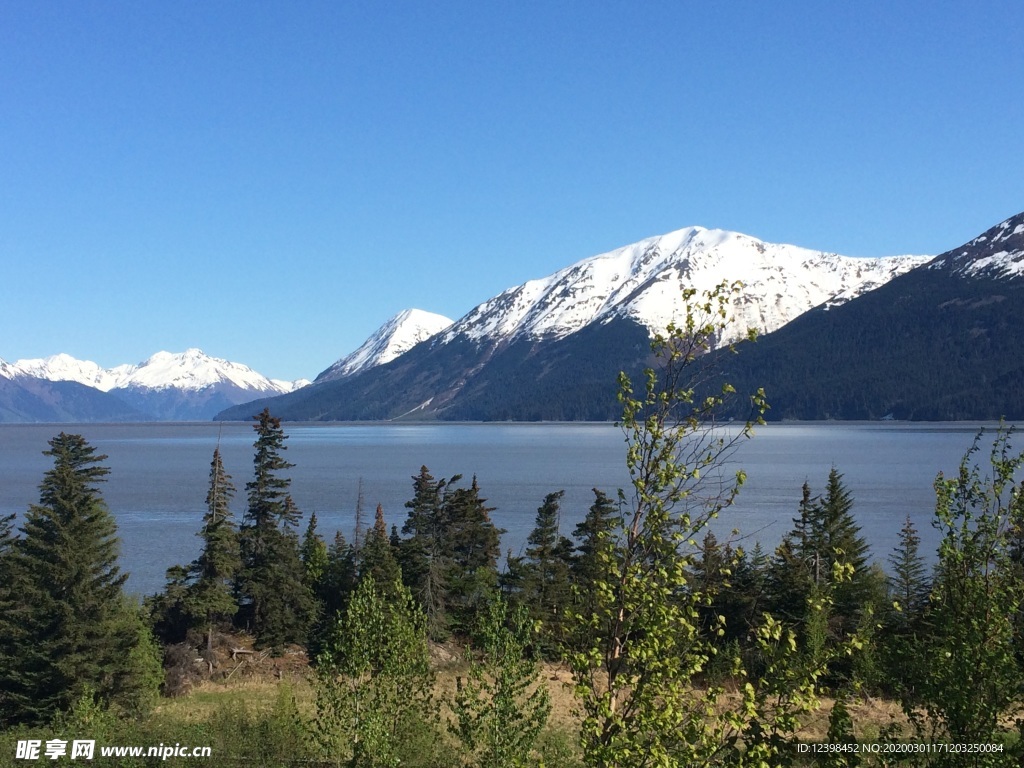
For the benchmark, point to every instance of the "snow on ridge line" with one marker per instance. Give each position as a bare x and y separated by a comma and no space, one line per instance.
189,370
395,337
644,281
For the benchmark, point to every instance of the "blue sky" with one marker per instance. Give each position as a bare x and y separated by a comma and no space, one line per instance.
272,181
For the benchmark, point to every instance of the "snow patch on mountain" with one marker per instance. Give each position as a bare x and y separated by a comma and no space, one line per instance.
7,370
644,281
997,253
397,336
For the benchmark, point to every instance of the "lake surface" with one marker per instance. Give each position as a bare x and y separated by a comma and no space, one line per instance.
159,475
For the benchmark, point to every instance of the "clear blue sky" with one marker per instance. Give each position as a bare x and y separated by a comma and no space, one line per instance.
271,181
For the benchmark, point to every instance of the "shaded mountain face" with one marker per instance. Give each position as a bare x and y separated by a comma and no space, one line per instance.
552,348
28,400
182,387
942,342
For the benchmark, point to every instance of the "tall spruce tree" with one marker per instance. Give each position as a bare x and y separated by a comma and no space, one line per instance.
595,545
210,596
334,589
314,556
824,534
74,632
545,585
909,584
8,622
472,547
421,552
276,600
450,554
377,560
903,627
201,595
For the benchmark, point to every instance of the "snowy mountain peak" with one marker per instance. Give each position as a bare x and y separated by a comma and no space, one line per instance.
644,282
191,370
397,336
188,370
998,253
64,367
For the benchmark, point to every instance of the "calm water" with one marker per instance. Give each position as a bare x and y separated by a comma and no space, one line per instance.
159,475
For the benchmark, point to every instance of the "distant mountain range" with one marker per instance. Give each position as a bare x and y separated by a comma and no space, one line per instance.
190,386
903,337
551,348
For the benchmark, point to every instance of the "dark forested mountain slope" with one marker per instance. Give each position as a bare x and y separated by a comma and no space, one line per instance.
943,341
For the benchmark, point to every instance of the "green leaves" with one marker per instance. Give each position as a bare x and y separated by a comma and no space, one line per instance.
636,675
500,708
373,678
972,676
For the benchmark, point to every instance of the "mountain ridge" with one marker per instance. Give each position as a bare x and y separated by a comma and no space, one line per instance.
940,342
517,342
184,386
397,336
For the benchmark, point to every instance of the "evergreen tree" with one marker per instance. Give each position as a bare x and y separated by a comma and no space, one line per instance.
275,598
449,558
8,623
7,536
824,535
790,579
422,553
710,576
593,535
377,560
201,594
595,545
333,591
313,553
168,610
472,545
74,631
742,599
843,543
340,576
210,596
909,584
544,575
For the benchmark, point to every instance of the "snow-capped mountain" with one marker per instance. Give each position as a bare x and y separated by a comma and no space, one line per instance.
552,347
189,370
180,386
998,253
397,336
644,282
64,367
